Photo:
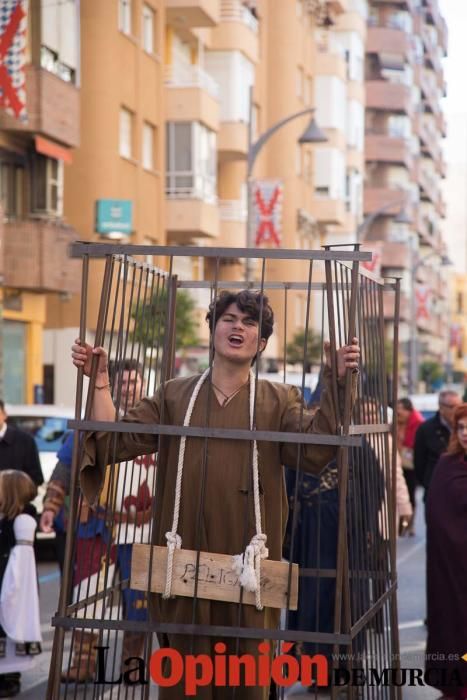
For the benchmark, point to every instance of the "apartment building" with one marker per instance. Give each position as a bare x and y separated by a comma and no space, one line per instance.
284,58
39,127
404,164
457,355
114,188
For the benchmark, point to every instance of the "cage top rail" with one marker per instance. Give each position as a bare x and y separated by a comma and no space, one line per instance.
101,250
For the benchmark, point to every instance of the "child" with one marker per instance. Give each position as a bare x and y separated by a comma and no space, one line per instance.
20,634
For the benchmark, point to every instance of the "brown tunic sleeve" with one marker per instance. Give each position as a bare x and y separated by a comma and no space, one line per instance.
99,448
313,458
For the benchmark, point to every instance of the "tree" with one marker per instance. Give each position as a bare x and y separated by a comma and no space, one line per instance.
432,373
296,347
150,321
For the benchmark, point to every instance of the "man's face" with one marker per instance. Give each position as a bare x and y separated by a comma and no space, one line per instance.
3,418
131,388
236,336
447,404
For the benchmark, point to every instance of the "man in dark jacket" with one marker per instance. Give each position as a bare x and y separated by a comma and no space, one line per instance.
432,437
18,450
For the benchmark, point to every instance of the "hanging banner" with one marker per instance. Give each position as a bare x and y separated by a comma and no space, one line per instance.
422,302
13,25
373,265
267,211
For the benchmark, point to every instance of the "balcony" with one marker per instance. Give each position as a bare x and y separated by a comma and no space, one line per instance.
375,198
395,255
388,306
237,31
327,210
233,216
385,148
192,13
428,184
390,97
191,207
36,256
390,41
192,95
232,141
52,105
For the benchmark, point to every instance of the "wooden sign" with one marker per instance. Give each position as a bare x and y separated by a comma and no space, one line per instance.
216,579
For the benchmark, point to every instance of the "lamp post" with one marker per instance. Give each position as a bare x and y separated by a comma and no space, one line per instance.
312,134
413,365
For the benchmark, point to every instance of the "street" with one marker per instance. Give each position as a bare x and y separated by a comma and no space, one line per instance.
411,601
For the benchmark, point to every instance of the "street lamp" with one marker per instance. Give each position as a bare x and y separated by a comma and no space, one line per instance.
312,134
413,373
402,217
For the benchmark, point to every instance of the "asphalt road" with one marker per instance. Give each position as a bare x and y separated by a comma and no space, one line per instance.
411,601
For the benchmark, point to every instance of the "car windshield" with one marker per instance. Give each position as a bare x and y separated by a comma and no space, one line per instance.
48,432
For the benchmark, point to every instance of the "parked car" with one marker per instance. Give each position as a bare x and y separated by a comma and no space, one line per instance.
47,424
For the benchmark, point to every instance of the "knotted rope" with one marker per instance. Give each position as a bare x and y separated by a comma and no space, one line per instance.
247,565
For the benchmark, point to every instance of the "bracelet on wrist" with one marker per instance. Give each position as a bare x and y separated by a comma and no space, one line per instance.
104,386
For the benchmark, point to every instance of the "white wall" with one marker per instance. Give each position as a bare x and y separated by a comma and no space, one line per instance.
235,74
330,171
330,98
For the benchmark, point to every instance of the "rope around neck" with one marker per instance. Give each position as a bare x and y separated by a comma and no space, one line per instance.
247,565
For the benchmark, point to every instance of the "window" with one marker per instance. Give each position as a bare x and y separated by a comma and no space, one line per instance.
191,161
126,133
147,155
46,185
60,38
50,61
148,28
124,16
11,189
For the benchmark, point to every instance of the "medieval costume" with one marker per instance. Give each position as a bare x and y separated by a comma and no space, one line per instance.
104,544
446,511
227,519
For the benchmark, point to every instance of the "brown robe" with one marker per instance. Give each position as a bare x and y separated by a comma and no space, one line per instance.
228,504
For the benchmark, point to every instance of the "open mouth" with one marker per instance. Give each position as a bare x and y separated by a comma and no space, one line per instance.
235,340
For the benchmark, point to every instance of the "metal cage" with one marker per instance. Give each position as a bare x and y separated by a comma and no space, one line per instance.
344,517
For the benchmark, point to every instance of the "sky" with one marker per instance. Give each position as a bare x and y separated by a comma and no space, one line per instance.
455,145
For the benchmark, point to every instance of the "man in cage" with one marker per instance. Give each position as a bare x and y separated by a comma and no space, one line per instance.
106,534
215,501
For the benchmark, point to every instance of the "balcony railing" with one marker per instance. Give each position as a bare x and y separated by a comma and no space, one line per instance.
190,185
236,11
232,210
190,76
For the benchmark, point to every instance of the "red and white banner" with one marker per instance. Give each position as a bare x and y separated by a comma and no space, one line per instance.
373,265
267,211
13,25
423,298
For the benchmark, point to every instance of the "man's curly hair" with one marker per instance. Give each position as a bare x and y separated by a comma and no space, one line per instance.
254,304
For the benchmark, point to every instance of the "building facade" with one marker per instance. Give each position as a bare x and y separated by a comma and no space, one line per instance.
405,125
39,127
114,188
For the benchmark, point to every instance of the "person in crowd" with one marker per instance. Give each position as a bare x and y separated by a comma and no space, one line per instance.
432,438
408,422
446,537
222,397
20,630
129,500
18,449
